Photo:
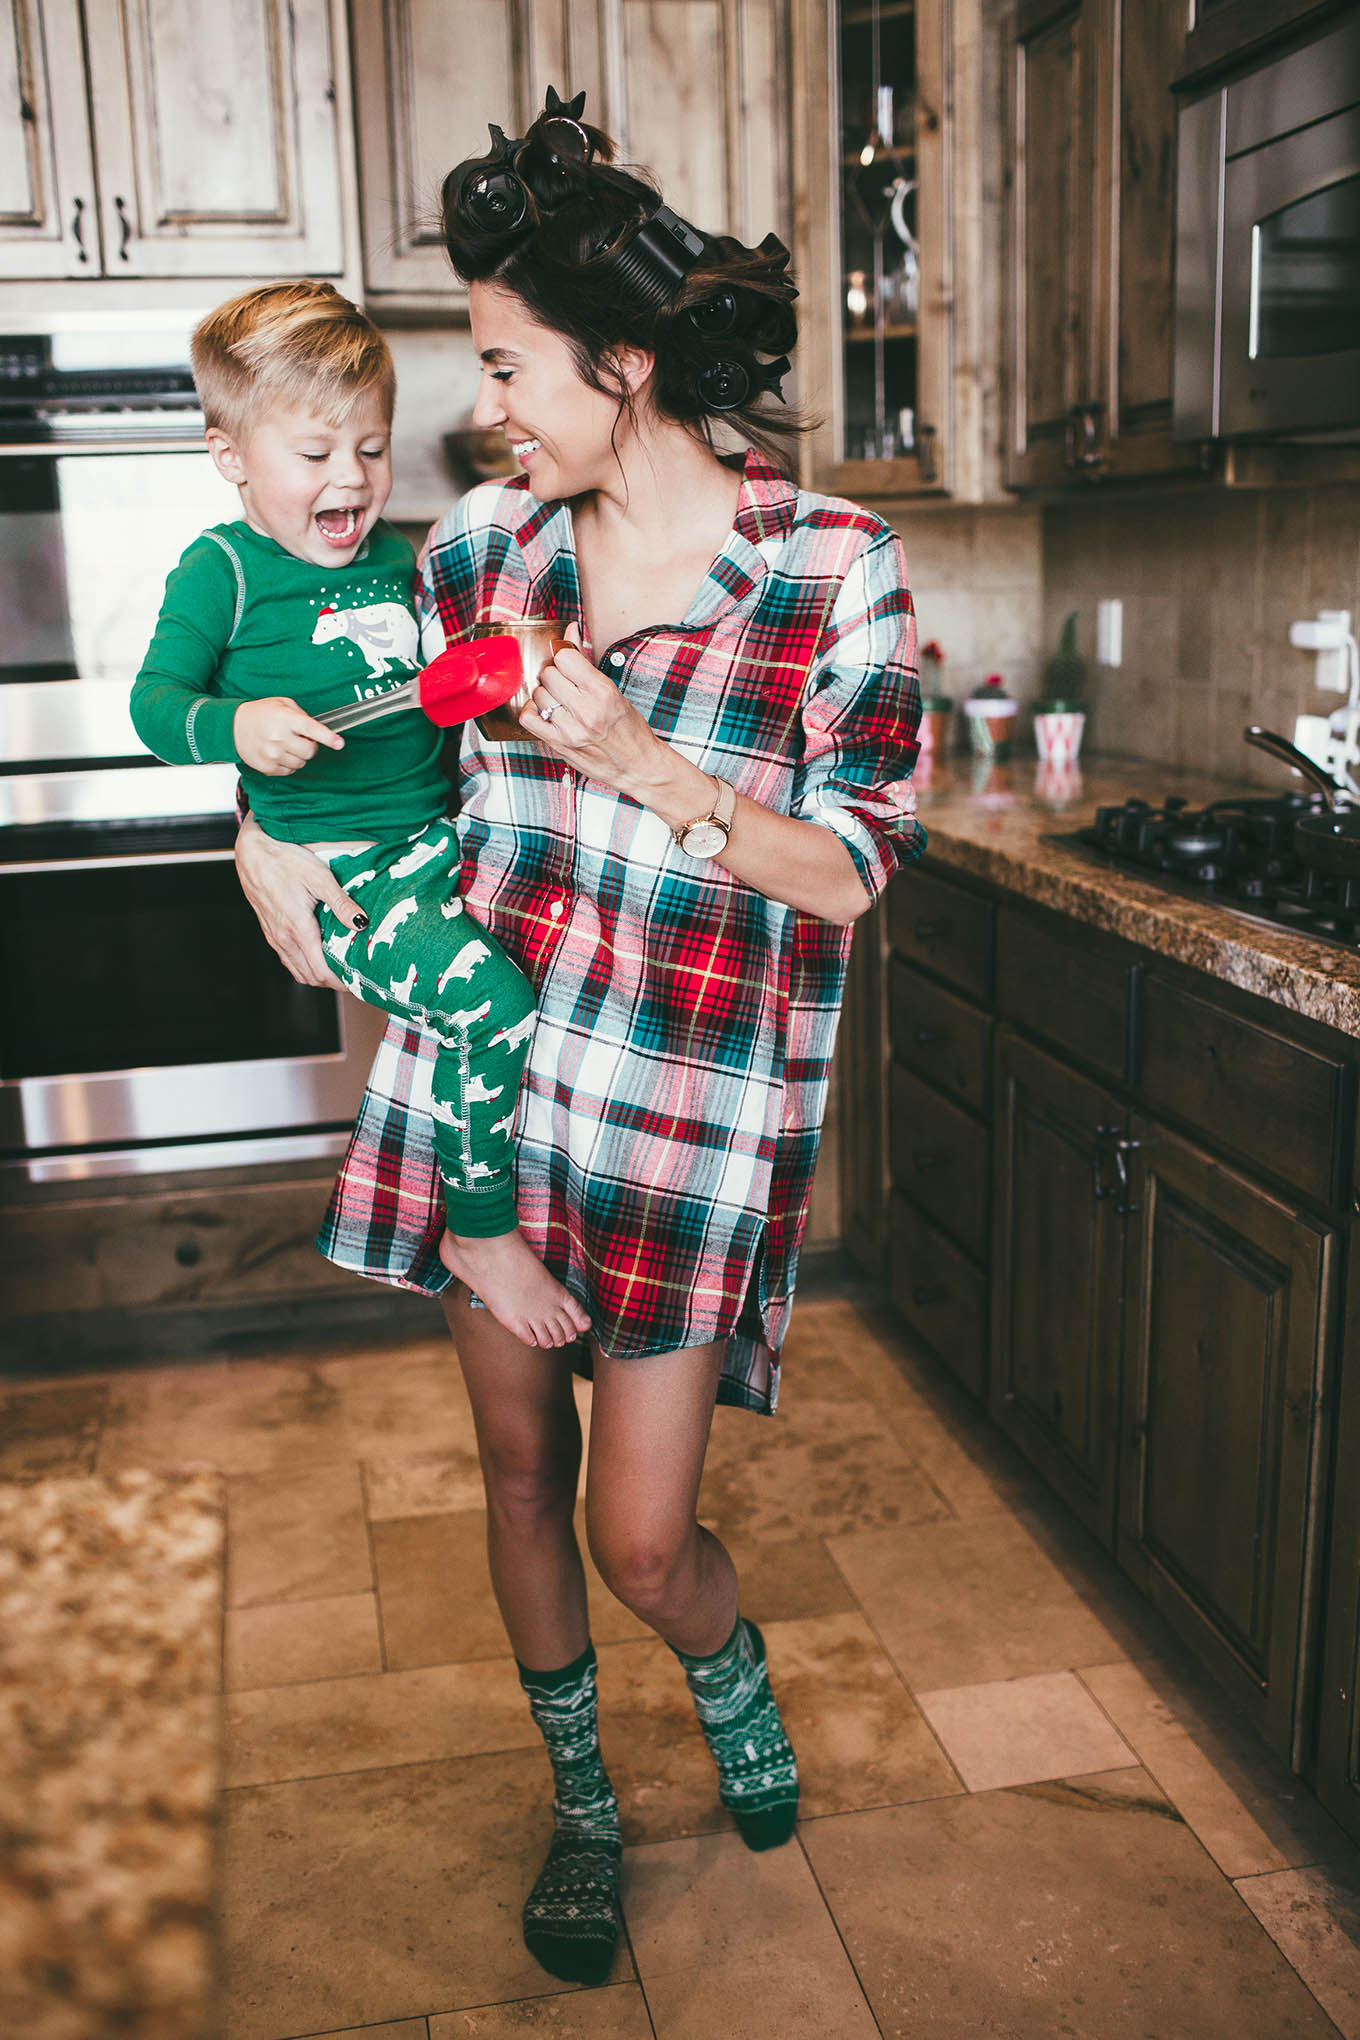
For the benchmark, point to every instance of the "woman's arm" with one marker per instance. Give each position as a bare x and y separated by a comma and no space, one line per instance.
594,729
283,883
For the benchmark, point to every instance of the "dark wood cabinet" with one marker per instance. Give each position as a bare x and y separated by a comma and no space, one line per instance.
1230,1291
1168,1166
1057,1265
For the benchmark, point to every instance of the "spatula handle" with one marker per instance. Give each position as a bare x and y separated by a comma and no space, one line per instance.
356,712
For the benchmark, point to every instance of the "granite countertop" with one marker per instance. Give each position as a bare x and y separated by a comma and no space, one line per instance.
111,1598
997,824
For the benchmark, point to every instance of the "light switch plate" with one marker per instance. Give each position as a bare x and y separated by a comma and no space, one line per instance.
1110,632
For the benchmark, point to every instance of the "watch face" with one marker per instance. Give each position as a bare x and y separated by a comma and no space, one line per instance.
705,839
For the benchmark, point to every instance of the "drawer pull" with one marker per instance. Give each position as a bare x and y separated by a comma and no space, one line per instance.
1123,1148
922,1159
931,1294
927,930
1099,1187
925,1035
188,1253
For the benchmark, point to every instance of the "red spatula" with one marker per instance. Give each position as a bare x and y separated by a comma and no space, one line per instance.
463,681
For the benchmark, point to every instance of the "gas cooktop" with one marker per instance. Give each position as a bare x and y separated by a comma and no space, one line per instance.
1237,853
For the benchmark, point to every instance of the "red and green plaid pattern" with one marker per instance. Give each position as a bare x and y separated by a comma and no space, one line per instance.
673,1098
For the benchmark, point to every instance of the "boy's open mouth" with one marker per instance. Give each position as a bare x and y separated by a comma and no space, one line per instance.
338,527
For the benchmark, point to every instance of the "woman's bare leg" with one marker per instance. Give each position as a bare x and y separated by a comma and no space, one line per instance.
529,1438
650,1421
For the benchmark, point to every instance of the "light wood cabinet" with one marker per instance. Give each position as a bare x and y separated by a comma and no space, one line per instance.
1091,140
695,91
49,223
208,148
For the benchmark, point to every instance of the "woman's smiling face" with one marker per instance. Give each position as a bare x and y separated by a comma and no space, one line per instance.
561,431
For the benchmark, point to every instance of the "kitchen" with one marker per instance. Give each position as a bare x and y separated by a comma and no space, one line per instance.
1055,1521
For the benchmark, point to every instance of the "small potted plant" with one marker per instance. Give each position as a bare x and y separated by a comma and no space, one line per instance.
991,713
1060,717
937,709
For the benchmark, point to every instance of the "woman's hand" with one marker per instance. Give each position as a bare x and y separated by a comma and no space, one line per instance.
579,715
283,883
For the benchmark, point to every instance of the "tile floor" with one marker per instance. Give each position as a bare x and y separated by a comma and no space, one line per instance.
1022,1815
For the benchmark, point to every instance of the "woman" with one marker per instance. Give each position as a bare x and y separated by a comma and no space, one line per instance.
675,860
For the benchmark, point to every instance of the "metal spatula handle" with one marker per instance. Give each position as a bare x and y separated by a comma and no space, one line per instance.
355,712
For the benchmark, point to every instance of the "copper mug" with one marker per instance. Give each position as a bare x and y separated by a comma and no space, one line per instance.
540,639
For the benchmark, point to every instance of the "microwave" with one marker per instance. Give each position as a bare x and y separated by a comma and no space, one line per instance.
1267,293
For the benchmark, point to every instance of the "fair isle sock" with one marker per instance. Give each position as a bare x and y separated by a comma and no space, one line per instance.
757,1772
571,1917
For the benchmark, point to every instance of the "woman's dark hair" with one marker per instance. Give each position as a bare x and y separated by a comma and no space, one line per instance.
594,255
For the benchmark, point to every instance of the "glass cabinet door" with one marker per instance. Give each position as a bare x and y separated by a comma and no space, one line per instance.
880,283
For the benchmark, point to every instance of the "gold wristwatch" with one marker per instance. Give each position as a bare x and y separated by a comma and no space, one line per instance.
707,834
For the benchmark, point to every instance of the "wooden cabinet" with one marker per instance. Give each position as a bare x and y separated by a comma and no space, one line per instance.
1091,133
209,147
1058,1275
1225,1419
694,90
1167,1166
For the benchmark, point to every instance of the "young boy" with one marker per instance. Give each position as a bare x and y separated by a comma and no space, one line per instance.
309,590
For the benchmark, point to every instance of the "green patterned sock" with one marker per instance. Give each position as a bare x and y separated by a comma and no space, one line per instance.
757,1772
571,1917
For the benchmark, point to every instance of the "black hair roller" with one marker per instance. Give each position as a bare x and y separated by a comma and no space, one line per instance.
723,385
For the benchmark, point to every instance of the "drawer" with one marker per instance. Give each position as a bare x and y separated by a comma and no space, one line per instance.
941,1296
945,927
939,1157
940,1036
1255,1091
1061,984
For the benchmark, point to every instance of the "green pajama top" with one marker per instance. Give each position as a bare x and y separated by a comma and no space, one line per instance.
243,619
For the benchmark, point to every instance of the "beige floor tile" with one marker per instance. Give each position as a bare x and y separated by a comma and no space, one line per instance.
786,1579
283,1642
423,1484
1084,1908
296,1537
859,1737
404,2029
618,2011
970,1463
329,1725
1017,1731
1313,1916
382,1895
51,1433
735,1946
822,1466
959,1603
1251,1814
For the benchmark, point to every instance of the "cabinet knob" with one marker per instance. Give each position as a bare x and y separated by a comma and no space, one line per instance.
926,931
188,1253
925,1035
928,1293
924,1159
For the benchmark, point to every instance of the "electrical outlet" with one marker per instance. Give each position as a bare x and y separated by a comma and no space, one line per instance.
1110,632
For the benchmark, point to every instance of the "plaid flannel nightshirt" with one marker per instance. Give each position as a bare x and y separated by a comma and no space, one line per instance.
673,1098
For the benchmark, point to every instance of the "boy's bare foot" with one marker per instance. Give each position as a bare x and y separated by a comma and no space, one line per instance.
515,1287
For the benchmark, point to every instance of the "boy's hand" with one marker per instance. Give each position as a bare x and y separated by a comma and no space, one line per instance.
277,737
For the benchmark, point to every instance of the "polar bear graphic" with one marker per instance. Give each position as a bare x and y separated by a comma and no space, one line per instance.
385,632
402,988
510,1037
446,1116
386,929
469,1017
451,909
505,1126
422,854
466,961
479,1092
476,1170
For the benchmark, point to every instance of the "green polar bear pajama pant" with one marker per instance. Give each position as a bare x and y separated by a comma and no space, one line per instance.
422,958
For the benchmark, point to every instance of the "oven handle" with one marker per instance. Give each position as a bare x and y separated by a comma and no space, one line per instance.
58,864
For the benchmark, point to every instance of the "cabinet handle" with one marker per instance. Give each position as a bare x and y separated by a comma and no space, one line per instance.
188,1253
1123,1148
922,1159
1090,455
124,230
925,1035
78,231
931,1293
926,931
926,463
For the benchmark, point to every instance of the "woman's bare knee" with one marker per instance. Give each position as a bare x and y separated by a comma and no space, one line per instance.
640,1569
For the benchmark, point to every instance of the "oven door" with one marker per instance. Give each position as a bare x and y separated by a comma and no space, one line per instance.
143,1009
1291,283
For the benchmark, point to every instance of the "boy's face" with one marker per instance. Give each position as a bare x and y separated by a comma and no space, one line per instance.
317,489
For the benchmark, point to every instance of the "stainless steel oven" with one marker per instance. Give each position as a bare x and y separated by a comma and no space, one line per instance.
1267,335
144,1022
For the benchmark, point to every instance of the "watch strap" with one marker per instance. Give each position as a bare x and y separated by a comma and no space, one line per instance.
723,809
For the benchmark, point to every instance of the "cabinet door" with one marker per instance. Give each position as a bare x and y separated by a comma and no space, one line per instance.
1057,1264
1142,228
1223,1449
1338,1751
428,78
861,1076
215,133
48,222
1057,170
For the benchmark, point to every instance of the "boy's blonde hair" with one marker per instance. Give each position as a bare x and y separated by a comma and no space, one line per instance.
287,343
